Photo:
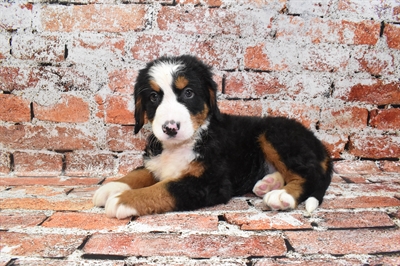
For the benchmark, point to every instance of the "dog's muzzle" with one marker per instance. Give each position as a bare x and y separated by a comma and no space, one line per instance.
171,128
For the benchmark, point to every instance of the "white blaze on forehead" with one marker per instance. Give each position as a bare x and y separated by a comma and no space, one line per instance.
162,73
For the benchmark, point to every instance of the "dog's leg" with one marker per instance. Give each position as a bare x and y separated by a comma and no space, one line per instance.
138,178
287,197
268,183
135,202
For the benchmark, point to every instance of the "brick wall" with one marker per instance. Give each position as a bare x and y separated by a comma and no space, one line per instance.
67,70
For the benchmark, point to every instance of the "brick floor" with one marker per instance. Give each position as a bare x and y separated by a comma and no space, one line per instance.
51,221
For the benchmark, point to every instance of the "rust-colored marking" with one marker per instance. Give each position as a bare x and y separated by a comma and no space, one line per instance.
199,119
181,82
195,169
294,182
149,200
138,178
154,85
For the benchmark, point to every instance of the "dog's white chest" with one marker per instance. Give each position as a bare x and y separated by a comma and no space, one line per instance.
171,163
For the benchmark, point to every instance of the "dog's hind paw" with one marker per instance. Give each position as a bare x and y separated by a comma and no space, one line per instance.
279,200
108,190
268,183
116,209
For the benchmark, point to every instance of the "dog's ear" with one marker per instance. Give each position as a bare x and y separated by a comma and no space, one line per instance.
213,98
139,111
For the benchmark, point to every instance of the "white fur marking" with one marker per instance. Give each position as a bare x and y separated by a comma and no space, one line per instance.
108,190
171,162
311,204
114,209
279,200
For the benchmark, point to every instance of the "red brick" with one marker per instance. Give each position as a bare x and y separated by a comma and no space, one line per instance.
37,164
218,53
38,47
82,164
371,91
14,78
193,246
375,62
121,138
306,114
341,242
375,147
20,220
15,16
174,222
61,204
128,162
210,3
248,22
100,105
360,202
66,262
335,143
122,81
40,137
38,191
252,108
396,13
259,57
48,245
345,118
362,219
85,221
69,108
53,181
392,33
252,85
386,119
5,162
119,110
14,108
108,18
390,166
267,221
356,167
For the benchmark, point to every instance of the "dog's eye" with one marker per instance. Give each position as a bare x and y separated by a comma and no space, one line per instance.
189,93
153,97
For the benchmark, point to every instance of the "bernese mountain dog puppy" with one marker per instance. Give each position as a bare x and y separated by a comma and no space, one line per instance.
198,156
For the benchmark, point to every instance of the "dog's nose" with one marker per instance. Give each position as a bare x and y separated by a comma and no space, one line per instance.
171,128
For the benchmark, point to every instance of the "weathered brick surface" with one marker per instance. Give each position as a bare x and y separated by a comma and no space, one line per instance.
14,109
49,245
82,164
69,109
37,164
92,18
198,246
67,73
40,137
345,242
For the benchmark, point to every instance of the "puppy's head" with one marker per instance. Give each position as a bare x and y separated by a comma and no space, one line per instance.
178,95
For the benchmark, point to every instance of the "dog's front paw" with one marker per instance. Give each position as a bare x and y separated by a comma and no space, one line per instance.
107,191
115,208
268,183
279,200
